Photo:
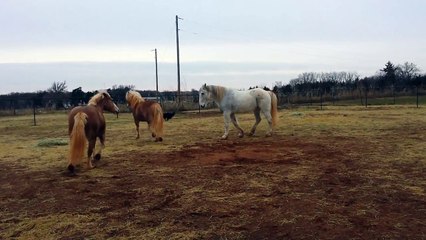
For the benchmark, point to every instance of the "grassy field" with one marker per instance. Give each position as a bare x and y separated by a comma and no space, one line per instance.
343,172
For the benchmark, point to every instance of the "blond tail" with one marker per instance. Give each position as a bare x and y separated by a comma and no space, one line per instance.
77,140
158,122
274,108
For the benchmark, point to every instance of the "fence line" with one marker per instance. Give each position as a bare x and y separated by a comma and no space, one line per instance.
189,101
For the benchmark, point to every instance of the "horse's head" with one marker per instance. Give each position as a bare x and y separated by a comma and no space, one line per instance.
133,98
204,95
108,104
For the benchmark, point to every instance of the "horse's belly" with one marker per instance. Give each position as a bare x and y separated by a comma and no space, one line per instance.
239,101
247,105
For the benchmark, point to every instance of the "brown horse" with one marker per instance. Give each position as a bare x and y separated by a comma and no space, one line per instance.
86,123
146,111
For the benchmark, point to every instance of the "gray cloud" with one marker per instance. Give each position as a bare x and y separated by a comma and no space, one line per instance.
239,42
29,77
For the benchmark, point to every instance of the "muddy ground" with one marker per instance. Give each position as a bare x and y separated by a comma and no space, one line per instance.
283,187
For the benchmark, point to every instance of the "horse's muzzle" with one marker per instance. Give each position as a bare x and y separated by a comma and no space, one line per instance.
117,109
202,105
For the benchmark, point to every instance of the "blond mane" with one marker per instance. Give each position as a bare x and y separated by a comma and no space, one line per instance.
133,98
97,98
217,91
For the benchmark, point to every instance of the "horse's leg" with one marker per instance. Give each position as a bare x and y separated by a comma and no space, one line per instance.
227,119
268,116
235,122
258,119
137,128
90,149
151,129
97,156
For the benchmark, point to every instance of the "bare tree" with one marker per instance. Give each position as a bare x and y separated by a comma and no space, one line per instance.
57,94
58,87
407,71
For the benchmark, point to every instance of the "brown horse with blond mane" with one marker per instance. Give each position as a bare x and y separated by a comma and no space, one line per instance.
146,111
85,124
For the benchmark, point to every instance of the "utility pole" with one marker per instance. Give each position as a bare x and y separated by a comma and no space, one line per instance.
178,61
156,73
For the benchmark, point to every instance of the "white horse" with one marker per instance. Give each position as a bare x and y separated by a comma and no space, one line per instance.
231,101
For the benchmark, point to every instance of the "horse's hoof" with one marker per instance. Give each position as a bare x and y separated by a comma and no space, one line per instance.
251,134
160,139
269,134
153,135
224,137
71,170
241,135
97,157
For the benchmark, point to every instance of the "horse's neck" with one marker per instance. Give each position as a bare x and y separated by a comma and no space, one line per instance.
99,107
218,93
135,104
95,110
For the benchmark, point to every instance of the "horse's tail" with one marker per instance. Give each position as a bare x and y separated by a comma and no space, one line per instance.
77,140
157,124
274,108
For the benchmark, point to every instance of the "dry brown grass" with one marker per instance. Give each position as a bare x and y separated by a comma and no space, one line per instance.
325,174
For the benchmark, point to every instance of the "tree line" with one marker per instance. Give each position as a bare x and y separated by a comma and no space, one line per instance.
403,79
390,80
58,97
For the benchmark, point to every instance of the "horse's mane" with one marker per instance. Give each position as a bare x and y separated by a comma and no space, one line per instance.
217,91
97,98
134,97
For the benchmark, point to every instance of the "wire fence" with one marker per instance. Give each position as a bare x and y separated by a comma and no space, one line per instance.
358,96
12,106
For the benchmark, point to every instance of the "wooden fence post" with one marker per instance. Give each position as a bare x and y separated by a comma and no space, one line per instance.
366,96
417,96
34,113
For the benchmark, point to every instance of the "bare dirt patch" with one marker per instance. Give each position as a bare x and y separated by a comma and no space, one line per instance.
262,188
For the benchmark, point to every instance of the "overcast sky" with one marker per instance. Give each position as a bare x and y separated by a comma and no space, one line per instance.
96,44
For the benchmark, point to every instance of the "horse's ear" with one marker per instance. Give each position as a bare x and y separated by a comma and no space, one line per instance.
205,86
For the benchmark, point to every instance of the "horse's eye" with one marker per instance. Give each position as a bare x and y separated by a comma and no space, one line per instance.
202,93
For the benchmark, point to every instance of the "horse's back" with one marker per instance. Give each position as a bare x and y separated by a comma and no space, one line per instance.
95,119
259,93
145,110
246,101
263,99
